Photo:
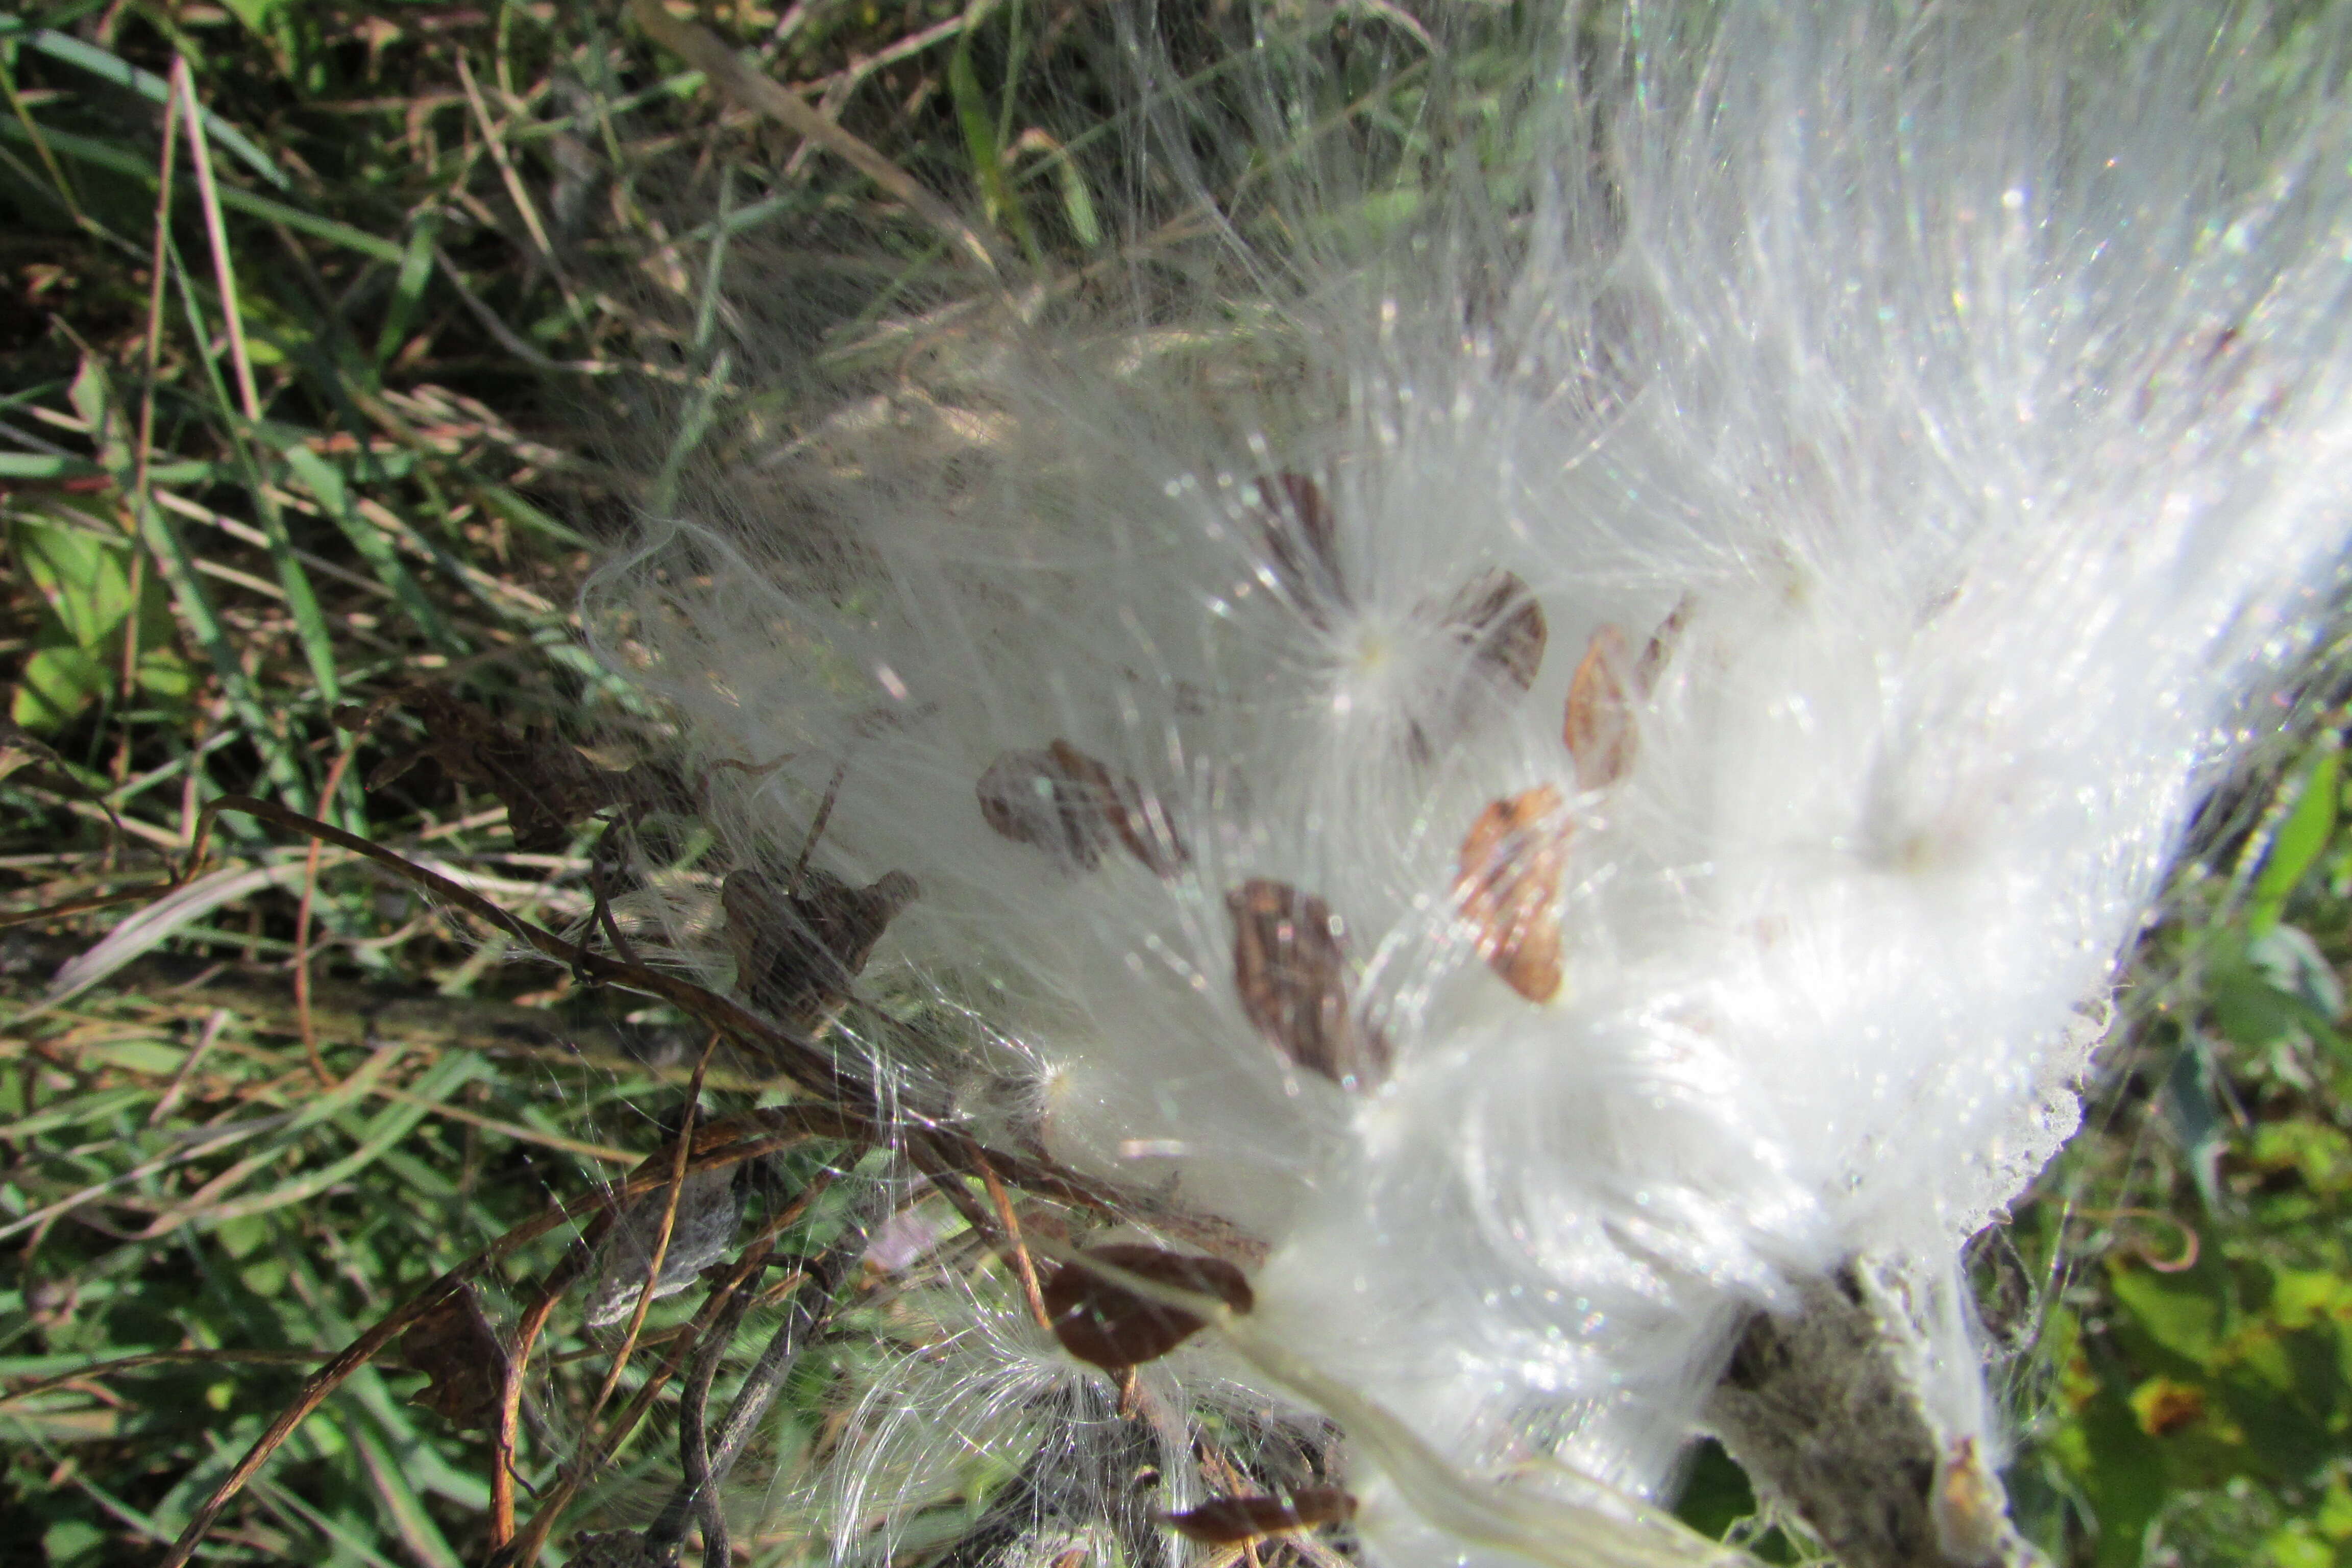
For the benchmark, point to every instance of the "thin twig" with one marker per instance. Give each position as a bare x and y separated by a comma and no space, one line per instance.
812,1303
1021,1262
662,1234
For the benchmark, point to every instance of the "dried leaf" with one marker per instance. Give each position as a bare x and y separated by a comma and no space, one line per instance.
1290,966
1600,728
456,1348
1302,544
1065,802
798,952
1106,1324
1231,1520
1508,887
546,786
1660,646
710,1213
1496,614
140,934
613,1549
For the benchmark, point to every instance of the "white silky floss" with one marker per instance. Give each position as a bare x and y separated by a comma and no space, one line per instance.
1973,380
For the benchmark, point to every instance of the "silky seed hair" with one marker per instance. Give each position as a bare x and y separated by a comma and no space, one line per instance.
1543,713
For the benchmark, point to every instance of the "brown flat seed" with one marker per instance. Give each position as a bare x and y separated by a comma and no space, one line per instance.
1660,646
1103,1323
1290,966
1508,887
1140,826
1030,798
1065,802
1302,544
1600,728
1230,1521
1496,614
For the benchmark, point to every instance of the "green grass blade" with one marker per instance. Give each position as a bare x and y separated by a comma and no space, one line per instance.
147,85
115,160
325,483
407,288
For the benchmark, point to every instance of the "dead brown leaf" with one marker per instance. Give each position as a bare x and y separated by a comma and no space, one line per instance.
546,786
799,950
457,1351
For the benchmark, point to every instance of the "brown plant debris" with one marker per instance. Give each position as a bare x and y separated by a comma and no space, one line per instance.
710,1213
1290,966
546,786
1064,802
799,950
454,1347
1231,1520
1302,544
1507,887
1599,726
1105,1324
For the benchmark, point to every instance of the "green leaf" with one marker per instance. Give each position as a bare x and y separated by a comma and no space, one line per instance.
155,89
325,483
2294,847
407,288
84,578
2185,1312
56,684
105,155
980,142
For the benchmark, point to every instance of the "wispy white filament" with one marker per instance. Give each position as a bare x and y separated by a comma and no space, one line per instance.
1967,385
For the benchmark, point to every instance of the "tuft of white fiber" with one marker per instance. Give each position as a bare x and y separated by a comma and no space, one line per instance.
1923,432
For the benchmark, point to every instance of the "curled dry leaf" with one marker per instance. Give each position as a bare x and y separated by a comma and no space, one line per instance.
546,786
1065,802
710,1213
457,1351
1290,966
1302,544
613,1549
1507,887
1230,1521
798,952
1600,728
1101,1322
